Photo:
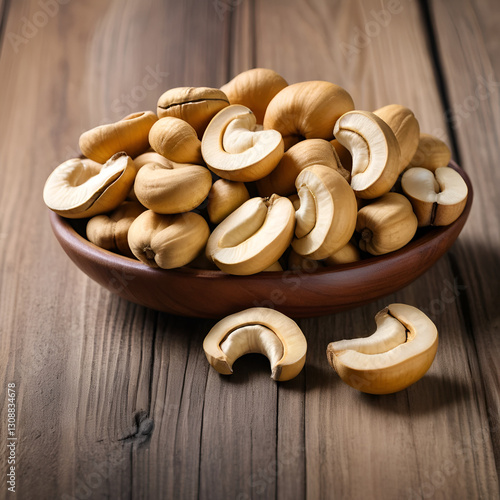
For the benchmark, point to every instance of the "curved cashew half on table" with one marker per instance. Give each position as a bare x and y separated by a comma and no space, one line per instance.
397,355
257,330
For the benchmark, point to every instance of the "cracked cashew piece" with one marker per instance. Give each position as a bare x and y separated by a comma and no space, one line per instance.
326,218
253,237
307,110
235,150
438,197
254,89
386,225
406,129
167,241
80,188
257,330
300,156
195,105
375,151
397,355
129,134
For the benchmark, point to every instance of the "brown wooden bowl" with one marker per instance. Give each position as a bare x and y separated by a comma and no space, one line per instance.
214,294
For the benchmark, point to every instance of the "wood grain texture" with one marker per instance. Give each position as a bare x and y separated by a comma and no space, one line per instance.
473,83
378,70
117,401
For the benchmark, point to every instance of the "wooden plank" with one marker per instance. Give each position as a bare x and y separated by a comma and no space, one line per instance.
472,79
3,18
117,401
82,359
355,445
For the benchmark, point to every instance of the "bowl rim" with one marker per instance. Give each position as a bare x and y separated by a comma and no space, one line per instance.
64,230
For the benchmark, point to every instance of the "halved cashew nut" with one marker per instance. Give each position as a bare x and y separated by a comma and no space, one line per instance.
129,135
257,330
167,241
326,218
307,110
438,198
397,355
176,140
195,105
254,89
386,225
234,150
80,188
173,190
300,156
375,152
253,237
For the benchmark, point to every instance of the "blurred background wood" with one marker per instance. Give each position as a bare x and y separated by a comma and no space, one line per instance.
118,401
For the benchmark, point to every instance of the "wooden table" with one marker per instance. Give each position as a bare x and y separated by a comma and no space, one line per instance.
118,401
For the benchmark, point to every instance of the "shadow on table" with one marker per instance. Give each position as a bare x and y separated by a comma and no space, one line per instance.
429,394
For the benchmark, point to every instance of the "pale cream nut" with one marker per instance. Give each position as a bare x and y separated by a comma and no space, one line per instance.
110,231
129,134
254,89
168,241
234,150
438,197
257,330
375,152
176,140
386,225
224,198
80,188
253,237
195,105
397,355
307,110
173,190
326,218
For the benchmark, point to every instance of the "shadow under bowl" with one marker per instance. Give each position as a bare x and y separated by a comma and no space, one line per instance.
298,294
